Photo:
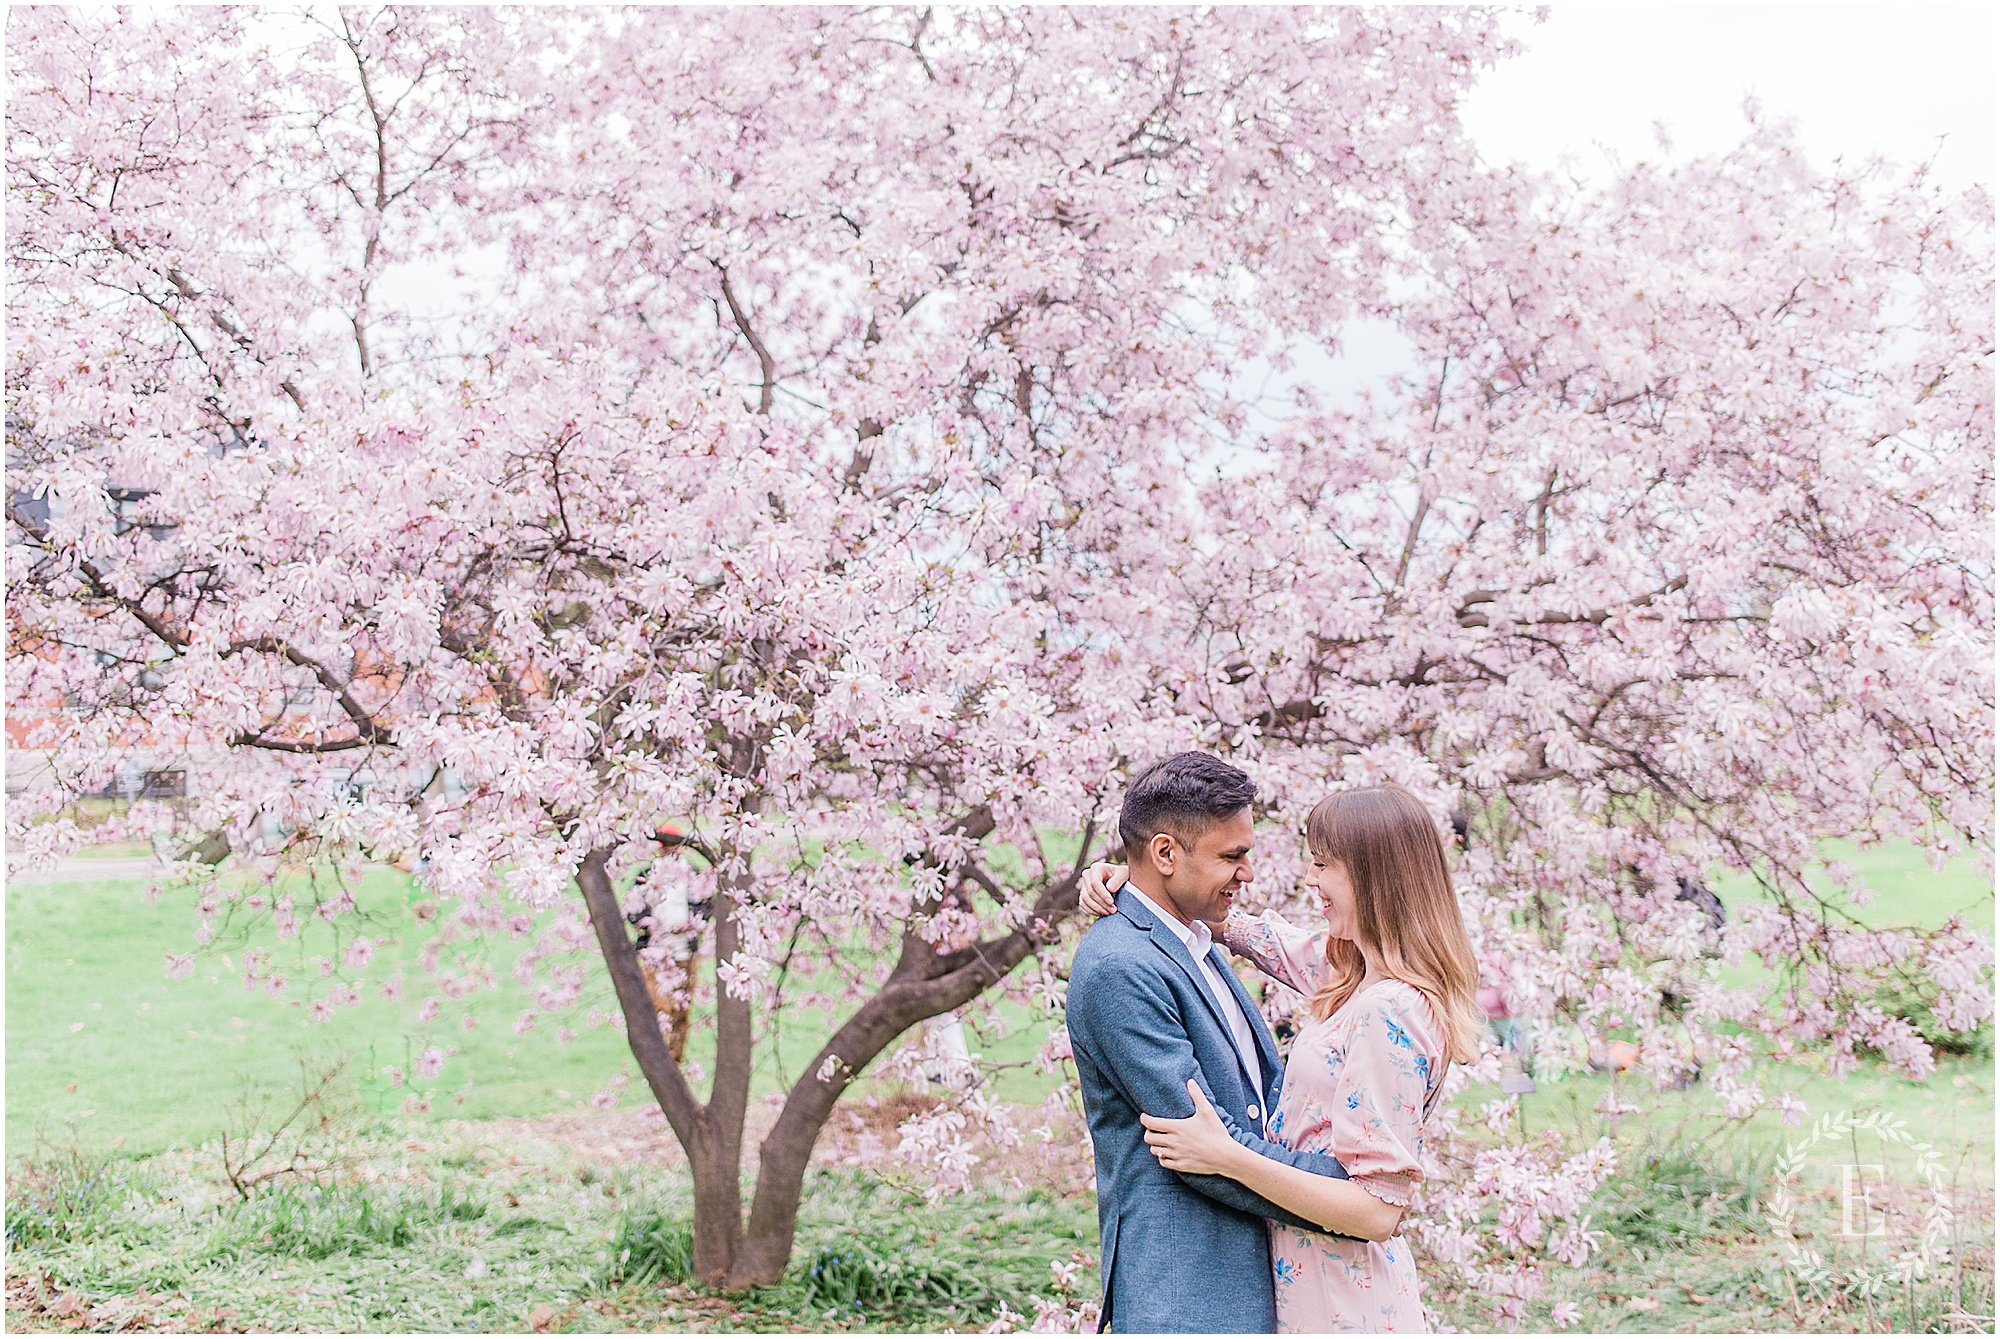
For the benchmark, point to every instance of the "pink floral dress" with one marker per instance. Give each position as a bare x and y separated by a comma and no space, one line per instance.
1359,1086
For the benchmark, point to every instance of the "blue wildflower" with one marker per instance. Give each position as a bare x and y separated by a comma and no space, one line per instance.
1397,1035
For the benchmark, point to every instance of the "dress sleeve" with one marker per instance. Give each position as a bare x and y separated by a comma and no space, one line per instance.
1375,1124
1281,950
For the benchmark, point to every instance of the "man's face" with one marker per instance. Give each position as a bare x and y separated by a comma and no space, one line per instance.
1203,882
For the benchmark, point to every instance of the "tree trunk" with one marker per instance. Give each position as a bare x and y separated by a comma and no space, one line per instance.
924,984
714,1153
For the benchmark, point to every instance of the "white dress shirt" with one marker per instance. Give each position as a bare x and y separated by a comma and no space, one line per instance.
1199,941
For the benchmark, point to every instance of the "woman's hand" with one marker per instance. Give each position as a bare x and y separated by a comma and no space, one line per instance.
1198,1144
1101,883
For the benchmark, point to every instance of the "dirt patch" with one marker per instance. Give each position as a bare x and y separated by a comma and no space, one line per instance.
863,1133
35,1298
619,1138
858,1133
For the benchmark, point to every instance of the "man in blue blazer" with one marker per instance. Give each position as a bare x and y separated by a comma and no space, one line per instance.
1152,1003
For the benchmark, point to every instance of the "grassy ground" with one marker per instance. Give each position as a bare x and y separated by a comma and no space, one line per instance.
581,1224
1907,890
99,1038
473,1228
507,1206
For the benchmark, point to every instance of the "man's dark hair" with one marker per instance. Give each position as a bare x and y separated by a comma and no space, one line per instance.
1183,796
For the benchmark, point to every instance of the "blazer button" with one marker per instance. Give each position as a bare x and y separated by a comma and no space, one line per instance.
1253,1111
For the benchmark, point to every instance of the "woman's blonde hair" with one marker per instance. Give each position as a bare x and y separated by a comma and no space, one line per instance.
1405,909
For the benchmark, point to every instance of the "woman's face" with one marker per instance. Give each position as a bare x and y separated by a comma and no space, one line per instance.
1336,895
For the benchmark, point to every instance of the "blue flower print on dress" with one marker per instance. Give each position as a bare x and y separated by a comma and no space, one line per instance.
1356,1090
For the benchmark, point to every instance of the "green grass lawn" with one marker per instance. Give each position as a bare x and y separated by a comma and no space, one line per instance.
131,1075
99,1038
1908,892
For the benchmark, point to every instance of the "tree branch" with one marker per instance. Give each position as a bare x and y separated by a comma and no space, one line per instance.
1467,618
764,359
642,1025
364,720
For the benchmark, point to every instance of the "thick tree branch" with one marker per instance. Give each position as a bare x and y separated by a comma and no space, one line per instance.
369,730
691,1123
1468,617
901,1004
764,358
100,584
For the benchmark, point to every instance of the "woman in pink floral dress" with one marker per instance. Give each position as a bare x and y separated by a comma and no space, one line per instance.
1390,980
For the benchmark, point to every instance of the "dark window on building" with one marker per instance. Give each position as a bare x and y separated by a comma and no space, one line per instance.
168,785
125,505
33,510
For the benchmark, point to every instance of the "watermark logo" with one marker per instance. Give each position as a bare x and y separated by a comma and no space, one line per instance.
1892,1219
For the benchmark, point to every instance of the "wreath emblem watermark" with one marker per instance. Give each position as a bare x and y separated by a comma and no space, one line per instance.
1858,1217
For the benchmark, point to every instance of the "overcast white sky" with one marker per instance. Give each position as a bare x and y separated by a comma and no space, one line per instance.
1594,79
1860,79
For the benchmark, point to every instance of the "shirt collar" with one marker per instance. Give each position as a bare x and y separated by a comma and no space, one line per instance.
1196,937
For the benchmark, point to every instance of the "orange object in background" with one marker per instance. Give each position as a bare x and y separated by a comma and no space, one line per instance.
1614,1057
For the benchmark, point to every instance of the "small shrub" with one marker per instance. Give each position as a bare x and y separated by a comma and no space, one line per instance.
652,1248
1675,1194
305,1135
63,1196
855,1274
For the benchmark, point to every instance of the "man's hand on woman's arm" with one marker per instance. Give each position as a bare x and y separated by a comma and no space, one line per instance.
1126,1025
1199,1145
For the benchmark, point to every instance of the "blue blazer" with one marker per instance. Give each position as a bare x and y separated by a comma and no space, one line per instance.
1181,1253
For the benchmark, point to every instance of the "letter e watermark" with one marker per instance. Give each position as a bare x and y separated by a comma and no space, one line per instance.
1854,1178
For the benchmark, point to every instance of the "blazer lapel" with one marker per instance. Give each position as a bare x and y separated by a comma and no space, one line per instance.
1170,944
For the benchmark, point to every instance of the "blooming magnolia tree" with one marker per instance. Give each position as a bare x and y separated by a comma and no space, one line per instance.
498,433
